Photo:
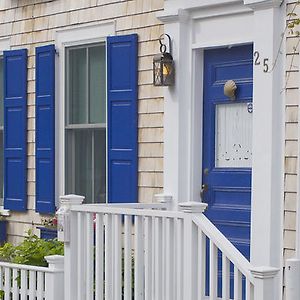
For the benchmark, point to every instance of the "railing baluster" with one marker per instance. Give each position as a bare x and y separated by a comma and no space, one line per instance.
213,270
80,256
201,263
32,285
169,259
23,290
99,257
153,257
237,284
148,258
127,259
163,258
15,288
225,277
40,286
138,259
158,261
108,257
179,258
89,256
249,290
117,258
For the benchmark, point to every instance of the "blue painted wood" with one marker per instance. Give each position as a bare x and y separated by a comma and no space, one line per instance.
3,232
45,129
47,233
229,189
15,130
122,118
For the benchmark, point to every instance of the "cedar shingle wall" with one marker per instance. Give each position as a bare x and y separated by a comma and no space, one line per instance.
32,23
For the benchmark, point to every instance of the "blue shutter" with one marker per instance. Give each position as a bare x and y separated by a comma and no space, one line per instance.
122,118
45,129
15,130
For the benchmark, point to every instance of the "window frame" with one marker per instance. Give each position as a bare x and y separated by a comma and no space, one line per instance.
73,36
83,126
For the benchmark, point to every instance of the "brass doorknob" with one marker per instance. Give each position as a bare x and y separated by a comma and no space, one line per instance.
204,188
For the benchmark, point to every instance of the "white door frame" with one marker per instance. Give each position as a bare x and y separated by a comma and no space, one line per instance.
195,26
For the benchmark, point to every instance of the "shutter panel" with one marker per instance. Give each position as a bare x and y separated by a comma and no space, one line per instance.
122,118
45,129
15,130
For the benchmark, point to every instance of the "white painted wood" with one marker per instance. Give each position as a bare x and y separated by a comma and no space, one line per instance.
169,256
158,260
108,257
138,258
32,283
148,258
6,284
80,257
127,258
163,258
89,256
179,258
237,284
213,270
117,257
15,289
24,282
249,290
99,257
71,36
201,276
40,286
225,277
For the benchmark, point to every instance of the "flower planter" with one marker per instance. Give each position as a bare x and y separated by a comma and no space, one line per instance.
47,233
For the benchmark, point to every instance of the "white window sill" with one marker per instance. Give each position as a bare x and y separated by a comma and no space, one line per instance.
4,212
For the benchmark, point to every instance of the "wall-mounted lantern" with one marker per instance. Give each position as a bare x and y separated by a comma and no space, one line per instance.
163,65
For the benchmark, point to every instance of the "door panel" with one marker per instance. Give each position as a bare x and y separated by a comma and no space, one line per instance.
227,143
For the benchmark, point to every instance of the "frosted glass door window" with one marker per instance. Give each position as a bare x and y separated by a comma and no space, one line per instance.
233,136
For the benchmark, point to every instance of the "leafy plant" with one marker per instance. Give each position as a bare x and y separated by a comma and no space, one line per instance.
31,251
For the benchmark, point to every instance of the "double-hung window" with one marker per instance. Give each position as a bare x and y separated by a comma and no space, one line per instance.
1,131
85,122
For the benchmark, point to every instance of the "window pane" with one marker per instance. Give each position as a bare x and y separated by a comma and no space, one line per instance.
79,163
97,84
1,167
77,89
100,166
1,92
233,135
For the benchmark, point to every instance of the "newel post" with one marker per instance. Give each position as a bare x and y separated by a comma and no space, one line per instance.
66,231
190,234
264,285
54,279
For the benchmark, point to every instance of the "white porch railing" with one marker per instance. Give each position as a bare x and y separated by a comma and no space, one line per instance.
154,254
23,282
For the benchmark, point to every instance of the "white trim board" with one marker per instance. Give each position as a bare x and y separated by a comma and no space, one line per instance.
191,34
67,37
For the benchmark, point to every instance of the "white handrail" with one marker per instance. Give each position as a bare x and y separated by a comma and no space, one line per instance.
231,252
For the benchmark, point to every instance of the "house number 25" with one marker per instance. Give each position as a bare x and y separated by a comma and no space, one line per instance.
257,61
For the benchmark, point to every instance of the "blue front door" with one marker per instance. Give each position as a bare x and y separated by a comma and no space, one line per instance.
227,142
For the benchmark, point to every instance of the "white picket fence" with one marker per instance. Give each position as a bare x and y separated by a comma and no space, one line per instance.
23,282
146,252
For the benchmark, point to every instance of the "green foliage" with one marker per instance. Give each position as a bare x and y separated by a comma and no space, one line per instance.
31,251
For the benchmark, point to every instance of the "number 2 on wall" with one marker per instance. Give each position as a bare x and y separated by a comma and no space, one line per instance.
256,55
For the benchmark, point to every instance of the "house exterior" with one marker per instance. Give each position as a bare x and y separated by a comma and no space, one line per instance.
188,142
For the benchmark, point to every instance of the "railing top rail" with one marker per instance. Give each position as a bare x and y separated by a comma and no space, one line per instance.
28,267
121,210
225,246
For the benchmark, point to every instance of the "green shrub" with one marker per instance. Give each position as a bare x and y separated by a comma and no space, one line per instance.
31,251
